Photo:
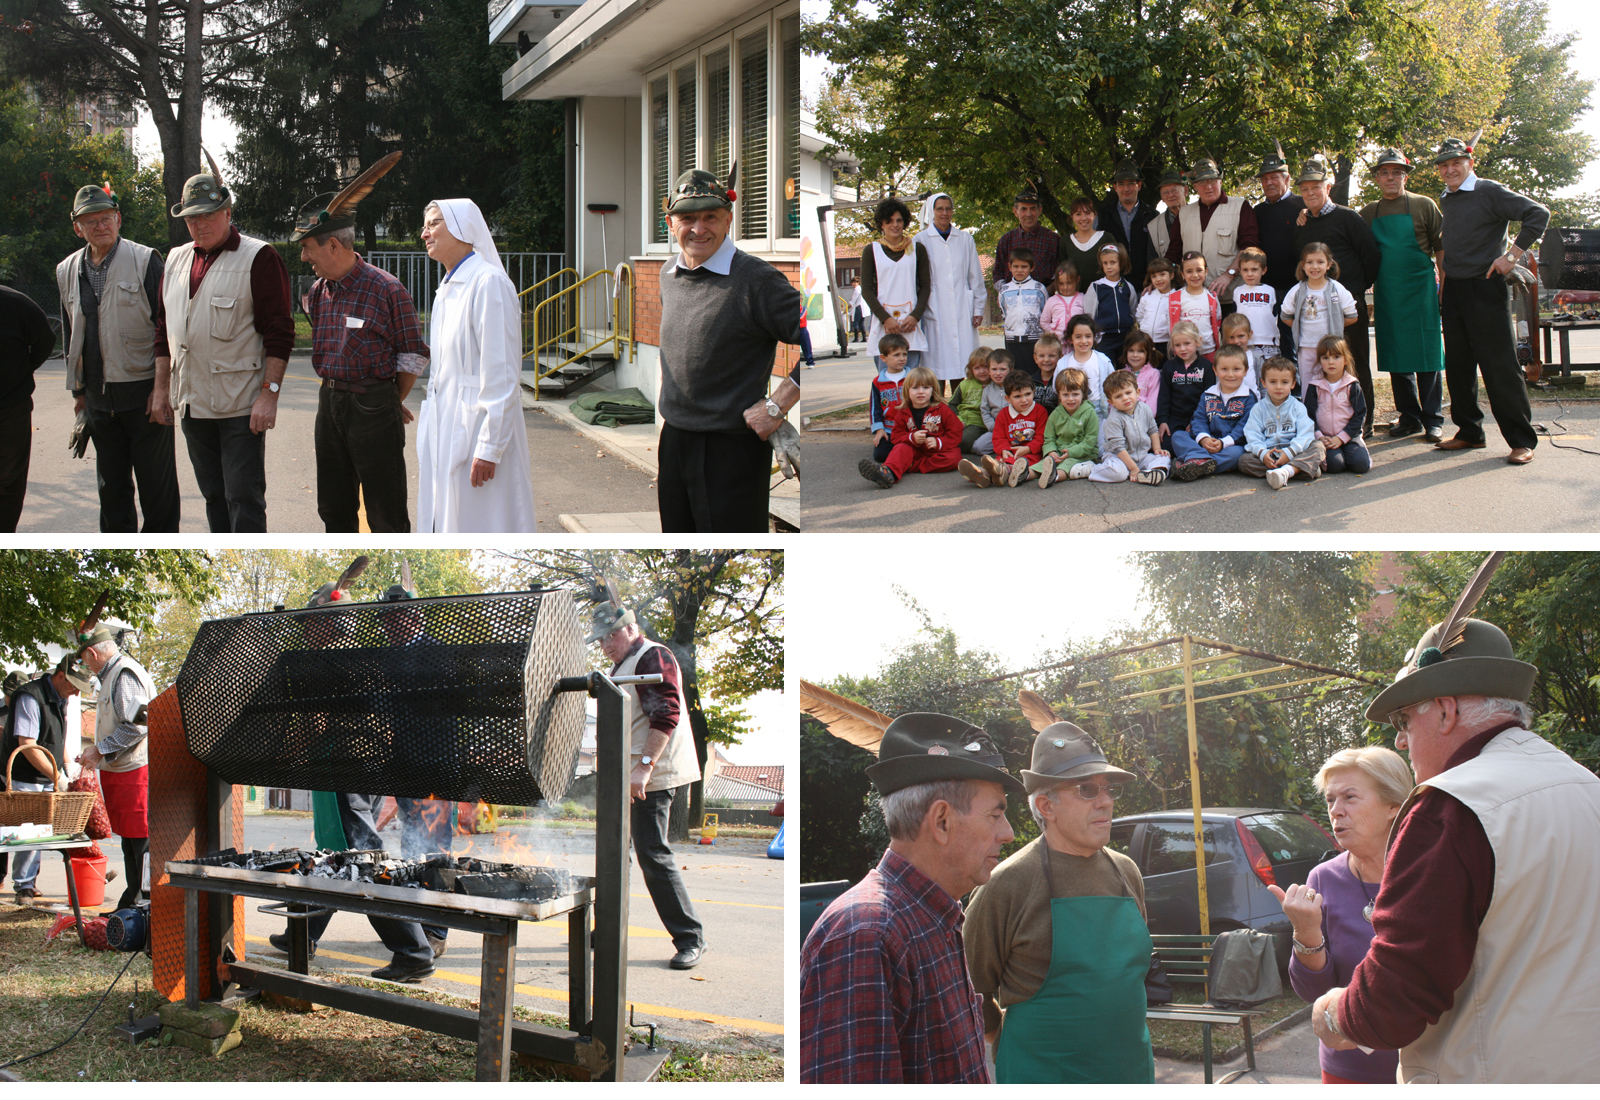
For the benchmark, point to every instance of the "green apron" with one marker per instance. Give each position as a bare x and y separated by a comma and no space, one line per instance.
1406,295
1086,1024
326,823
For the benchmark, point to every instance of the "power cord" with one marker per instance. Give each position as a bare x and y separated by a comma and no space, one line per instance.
1541,429
86,1019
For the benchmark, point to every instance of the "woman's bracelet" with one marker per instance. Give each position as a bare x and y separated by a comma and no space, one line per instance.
1302,949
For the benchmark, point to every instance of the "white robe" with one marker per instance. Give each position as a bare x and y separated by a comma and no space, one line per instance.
474,407
956,295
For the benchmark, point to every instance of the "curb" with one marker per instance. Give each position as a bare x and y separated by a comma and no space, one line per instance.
1218,1057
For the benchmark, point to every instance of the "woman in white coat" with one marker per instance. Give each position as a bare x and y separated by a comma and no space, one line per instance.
956,295
472,445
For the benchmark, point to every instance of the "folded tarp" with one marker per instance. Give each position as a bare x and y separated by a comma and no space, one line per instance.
613,407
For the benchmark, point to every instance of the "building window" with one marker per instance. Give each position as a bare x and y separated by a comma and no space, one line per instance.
753,184
688,153
719,111
660,179
789,225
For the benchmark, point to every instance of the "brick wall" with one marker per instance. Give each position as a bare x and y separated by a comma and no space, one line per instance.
647,308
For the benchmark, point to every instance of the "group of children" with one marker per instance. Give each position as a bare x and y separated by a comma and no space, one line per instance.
1103,386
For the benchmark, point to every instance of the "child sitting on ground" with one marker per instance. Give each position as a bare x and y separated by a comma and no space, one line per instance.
1214,439
969,395
1071,434
1065,304
1021,301
1184,377
1094,364
1018,438
1139,356
1194,303
1337,406
1280,441
1314,305
1046,354
1111,301
1258,302
894,350
926,434
993,399
1130,445
1236,332
1152,313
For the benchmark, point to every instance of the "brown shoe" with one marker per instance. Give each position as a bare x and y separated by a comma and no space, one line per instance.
1520,456
1460,443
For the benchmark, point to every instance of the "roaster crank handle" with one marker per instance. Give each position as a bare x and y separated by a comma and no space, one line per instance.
589,682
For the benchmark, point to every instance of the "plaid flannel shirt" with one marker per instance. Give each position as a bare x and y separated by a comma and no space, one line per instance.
388,337
885,995
1046,246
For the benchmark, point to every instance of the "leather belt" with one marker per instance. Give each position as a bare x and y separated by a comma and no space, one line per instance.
355,387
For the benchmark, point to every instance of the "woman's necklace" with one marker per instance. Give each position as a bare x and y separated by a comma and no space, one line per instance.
1372,899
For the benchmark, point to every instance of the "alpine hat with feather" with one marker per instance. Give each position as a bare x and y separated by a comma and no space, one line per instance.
1459,656
698,189
336,210
203,192
922,747
1063,753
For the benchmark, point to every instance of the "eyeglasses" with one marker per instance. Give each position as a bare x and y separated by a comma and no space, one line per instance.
1091,791
1400,720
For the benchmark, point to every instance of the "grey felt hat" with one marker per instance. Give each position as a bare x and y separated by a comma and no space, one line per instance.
1171,176
1391,156
1204,169
1452,148
1481,663
1062,752
608,617
922,747
1125,170
91,199
1313,170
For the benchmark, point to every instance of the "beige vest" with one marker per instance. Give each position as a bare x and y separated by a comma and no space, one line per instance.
1160,236
127,330
218,357
1219,242
105,720
1528,1010
678,766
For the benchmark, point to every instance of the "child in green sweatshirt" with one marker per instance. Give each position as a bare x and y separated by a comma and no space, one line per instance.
966,398
1072,433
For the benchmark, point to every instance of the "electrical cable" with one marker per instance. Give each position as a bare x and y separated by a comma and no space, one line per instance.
1551,436
86,1019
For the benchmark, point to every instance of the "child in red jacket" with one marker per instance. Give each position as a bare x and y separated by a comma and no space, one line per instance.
924,434
1018,438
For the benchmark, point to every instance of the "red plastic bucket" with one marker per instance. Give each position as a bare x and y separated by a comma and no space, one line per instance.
89,874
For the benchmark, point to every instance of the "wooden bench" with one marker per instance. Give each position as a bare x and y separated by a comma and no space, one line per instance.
1187,960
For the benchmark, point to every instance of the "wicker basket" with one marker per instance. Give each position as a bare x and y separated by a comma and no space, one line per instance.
66,811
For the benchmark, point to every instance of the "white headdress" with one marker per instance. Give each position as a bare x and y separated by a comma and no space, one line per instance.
927,206
466,223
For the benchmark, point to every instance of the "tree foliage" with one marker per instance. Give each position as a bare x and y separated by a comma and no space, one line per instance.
44,594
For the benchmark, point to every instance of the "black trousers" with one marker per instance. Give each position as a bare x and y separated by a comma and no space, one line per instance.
361,454
128,446
230,465
404,938
1476,314
1022,357
134,849
1359,338
1419,398
16,448
713,481
660,870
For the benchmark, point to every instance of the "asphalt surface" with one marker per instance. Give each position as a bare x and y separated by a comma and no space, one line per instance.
571,474
1287,1057
734,997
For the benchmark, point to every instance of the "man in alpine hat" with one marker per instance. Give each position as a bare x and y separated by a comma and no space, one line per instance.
1405,297
661,743
1485,952
1173,187
367,347
1276,215
1475,305
1042,241
119,750
1124,216
885,995
723,314
1219,227
1057,939
222,347
110,308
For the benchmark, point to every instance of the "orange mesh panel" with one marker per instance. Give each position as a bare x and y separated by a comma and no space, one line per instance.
177,824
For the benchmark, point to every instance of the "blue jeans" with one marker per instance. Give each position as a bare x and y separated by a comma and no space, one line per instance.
26,868
1185,447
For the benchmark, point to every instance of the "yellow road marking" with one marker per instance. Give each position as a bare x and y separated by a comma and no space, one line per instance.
709,901
556,995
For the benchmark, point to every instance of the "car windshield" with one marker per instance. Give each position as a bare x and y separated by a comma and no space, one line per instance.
1171,846
1288,837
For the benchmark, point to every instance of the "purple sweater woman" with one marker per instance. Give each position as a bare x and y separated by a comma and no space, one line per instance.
1332,912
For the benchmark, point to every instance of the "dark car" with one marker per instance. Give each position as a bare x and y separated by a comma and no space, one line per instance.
1246,849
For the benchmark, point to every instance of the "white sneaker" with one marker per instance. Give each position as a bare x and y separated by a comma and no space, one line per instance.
1081,470
1279,477
1019,470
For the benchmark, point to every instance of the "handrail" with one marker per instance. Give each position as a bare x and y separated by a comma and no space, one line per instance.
558,318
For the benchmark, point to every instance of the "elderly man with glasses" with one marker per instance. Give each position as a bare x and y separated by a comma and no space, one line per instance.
1057,940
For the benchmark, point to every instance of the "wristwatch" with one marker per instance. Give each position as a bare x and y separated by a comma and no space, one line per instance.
647,761
773,410
272,387
1331,1021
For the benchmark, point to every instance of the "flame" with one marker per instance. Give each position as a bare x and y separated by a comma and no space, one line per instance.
510,848
433,813
476,817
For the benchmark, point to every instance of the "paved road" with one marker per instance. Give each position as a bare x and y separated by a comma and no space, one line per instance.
1286,1057
570,473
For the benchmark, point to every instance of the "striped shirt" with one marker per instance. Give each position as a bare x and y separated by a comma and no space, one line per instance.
884,991
364,327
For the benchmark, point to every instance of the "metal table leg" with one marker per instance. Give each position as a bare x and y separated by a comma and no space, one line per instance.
72,895
495,998
579,961
191,948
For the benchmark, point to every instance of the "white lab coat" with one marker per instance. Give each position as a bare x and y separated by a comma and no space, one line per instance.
955,296
474,407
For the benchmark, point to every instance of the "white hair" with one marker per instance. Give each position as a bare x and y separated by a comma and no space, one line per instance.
905,809
104,650
345,236
1484,710
1033,803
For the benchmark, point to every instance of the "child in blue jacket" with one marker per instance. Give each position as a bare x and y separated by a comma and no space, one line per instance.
1215,438
1280,439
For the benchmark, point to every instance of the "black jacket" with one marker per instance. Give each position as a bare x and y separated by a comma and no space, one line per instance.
1141,250
25,341
1355,249
52,729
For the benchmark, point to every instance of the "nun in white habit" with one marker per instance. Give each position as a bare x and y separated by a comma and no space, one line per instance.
956,293
472,445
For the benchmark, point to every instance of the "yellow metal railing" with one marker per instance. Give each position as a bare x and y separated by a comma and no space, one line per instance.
564,323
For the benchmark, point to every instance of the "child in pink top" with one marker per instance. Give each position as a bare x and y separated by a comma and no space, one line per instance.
1064,304
1138,355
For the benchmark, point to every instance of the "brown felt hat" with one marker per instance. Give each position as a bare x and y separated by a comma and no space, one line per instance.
1063,753
922,747
1481,663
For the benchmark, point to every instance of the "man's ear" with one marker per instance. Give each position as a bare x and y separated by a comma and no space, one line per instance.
937,823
